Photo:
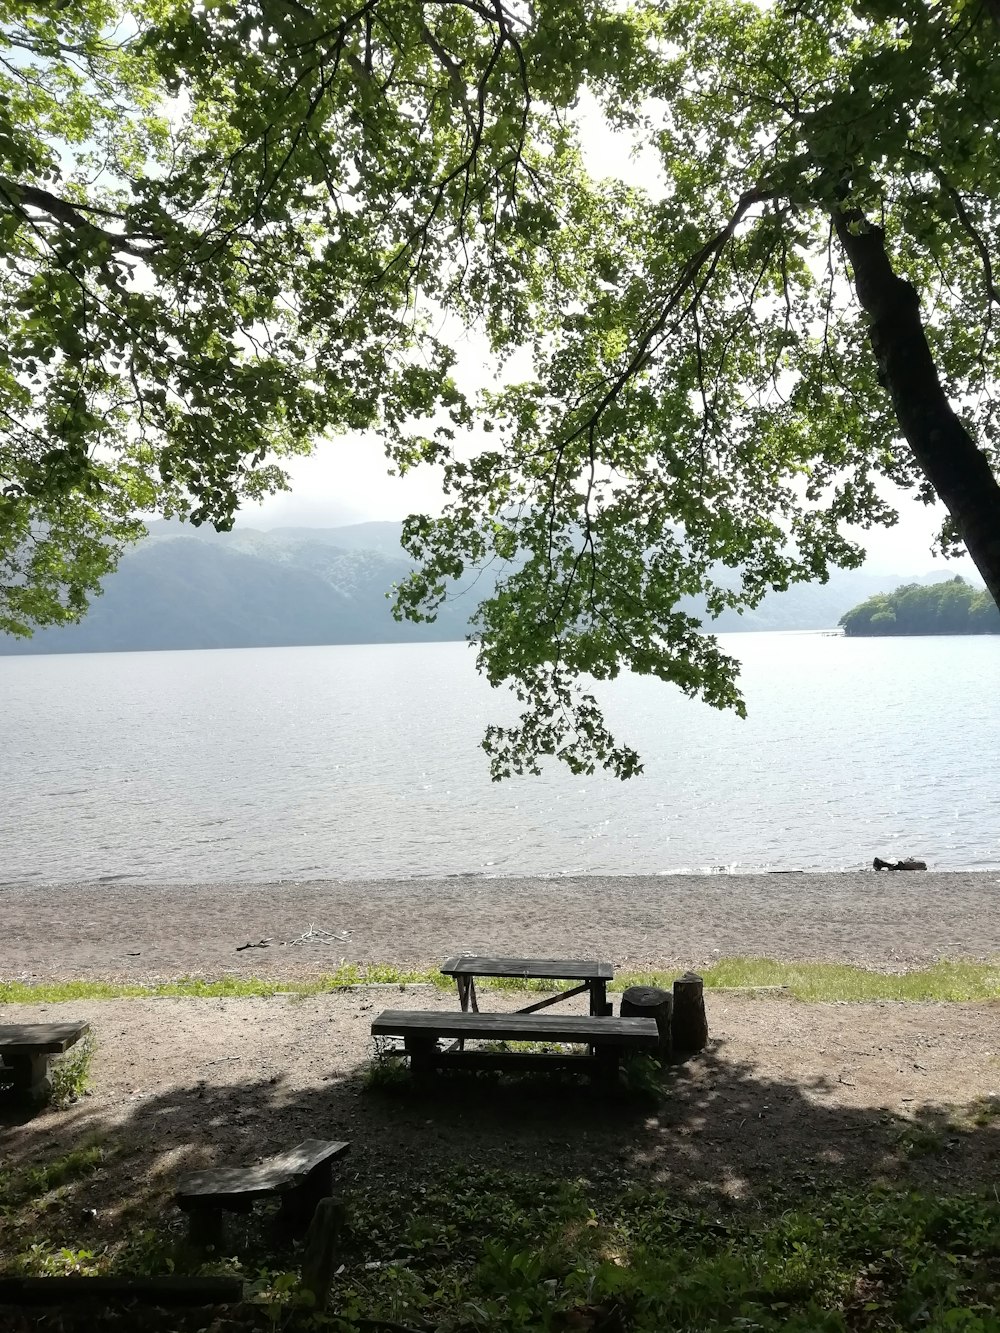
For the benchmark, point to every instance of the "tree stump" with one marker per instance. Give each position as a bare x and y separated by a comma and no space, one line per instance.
690,1026
650,1002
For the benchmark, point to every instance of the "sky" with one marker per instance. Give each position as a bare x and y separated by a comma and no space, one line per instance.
346,480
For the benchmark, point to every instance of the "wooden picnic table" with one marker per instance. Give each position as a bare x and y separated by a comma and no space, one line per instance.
592,976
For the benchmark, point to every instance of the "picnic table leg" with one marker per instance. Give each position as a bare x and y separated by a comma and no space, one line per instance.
421,1051
607,1061
599,1007
463,992
206,1228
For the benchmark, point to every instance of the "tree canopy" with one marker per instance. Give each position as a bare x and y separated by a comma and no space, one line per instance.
231,229
949,607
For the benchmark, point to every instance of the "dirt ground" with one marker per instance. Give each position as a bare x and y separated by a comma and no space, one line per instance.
785,1093
151,932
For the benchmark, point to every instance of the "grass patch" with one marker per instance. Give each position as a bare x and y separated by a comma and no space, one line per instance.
37,1181
533,1253
57,992
840,981
806,981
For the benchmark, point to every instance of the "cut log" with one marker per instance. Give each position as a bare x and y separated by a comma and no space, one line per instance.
690,1026
651,1002
320,1258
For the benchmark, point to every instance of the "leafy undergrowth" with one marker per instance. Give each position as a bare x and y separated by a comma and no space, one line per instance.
463,1250
955,980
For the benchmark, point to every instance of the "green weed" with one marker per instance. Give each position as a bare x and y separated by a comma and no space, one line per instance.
37,1181
70,1074
482,1249
923,1141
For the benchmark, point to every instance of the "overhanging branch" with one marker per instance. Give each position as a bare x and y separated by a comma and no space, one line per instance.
69,214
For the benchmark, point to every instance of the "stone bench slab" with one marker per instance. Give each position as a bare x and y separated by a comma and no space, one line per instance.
21,1039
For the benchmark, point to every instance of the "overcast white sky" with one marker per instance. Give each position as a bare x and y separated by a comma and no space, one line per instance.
346,479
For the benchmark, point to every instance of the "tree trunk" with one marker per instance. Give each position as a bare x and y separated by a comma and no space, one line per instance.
959,471
650,1002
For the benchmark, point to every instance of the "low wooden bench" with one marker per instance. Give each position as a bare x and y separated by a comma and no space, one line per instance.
27,1050
299,1178
607,1039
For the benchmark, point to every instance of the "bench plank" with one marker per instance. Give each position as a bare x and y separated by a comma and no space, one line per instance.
39,1038
640,1032
555,969
245,1183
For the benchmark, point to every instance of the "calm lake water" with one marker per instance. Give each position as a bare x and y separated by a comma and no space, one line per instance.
305,763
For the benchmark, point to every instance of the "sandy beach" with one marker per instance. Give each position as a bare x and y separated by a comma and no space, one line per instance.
117,929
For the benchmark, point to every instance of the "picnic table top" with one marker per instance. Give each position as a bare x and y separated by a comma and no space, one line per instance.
517,1027
562,969
40,1038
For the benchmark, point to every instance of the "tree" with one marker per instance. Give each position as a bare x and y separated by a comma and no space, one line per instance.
216,222
200,284
949,607
717,395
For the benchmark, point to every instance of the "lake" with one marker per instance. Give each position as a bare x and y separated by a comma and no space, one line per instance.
343,762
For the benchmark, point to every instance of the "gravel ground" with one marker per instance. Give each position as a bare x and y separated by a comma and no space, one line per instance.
786,1092
146,932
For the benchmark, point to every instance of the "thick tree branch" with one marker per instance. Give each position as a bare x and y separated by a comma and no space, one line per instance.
22,197
948,456
707,258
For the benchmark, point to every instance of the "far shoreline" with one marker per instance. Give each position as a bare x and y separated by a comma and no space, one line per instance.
123,930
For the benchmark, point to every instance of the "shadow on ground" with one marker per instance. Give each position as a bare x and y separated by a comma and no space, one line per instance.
716,1133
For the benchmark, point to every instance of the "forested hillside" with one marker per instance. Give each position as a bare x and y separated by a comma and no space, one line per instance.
951,607
248,589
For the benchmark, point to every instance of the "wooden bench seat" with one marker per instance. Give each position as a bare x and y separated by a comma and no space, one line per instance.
299,1178
26,1050
607,1039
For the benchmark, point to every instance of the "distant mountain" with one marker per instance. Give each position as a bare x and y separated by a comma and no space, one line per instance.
196,588
249,589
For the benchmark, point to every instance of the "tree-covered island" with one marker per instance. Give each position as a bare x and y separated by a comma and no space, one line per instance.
951,607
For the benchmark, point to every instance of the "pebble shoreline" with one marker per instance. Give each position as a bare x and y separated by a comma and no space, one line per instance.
146,932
